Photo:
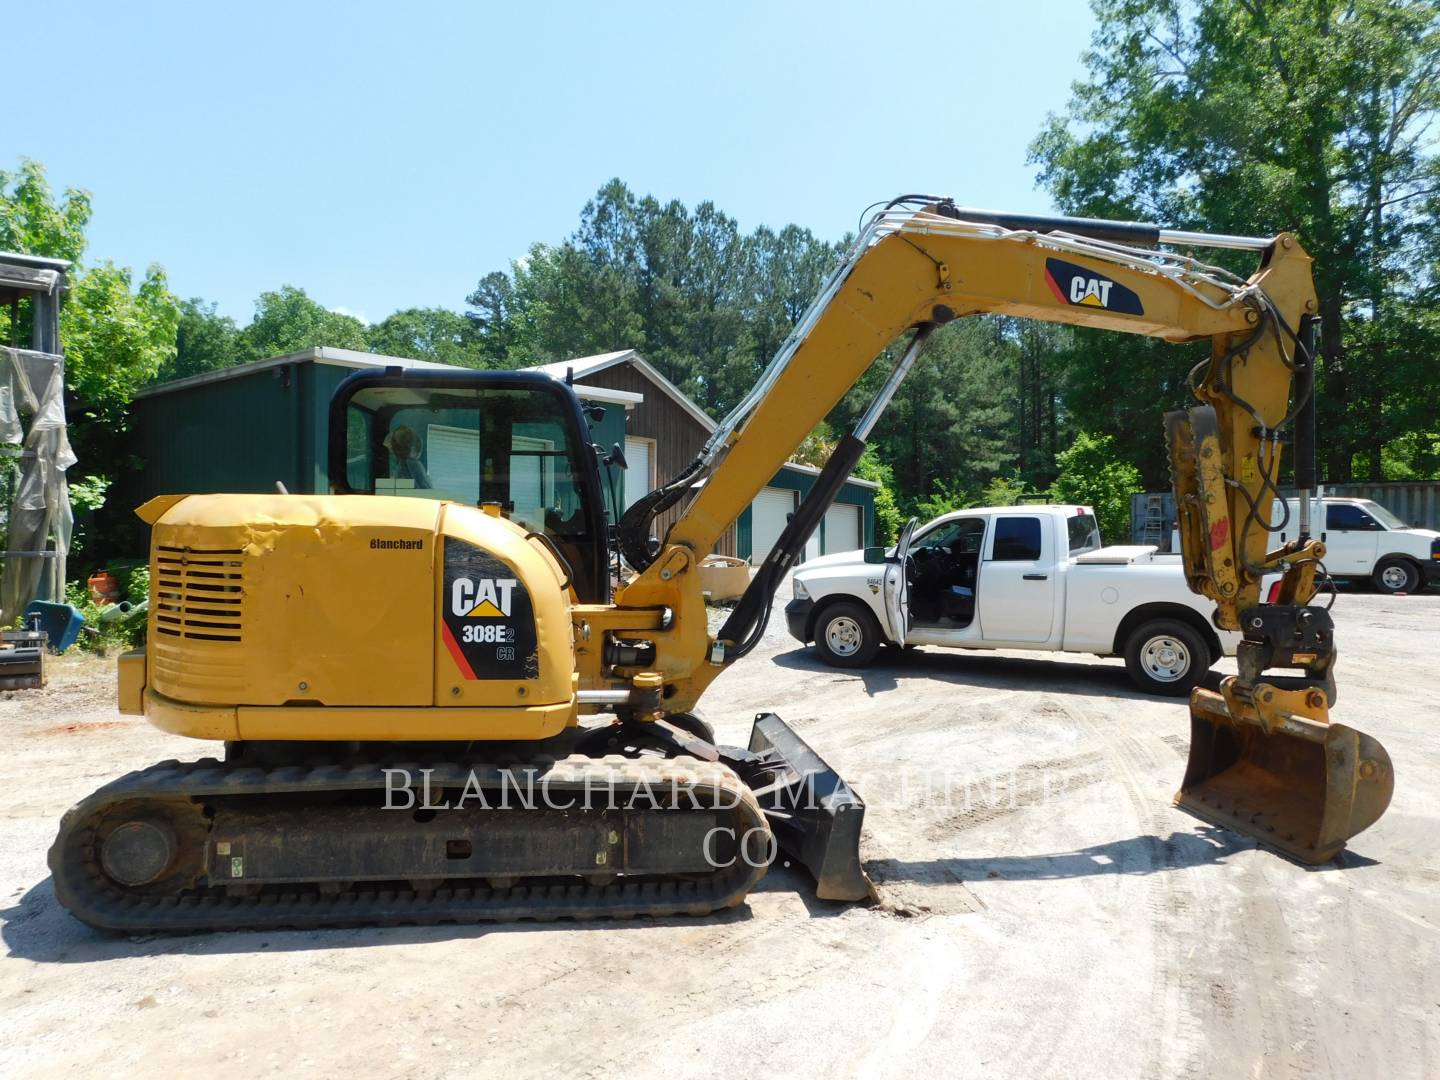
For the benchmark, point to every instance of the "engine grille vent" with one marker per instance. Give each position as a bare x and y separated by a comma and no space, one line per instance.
199,593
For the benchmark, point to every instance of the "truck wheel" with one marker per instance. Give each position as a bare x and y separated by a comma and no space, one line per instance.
1396,575
846,635
1165,656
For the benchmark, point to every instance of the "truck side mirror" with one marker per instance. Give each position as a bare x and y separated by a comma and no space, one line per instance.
874,554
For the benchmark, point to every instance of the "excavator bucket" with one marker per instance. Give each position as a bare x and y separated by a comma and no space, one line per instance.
1303,789
814,814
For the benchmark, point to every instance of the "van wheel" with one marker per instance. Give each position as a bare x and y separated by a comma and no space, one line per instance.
1396,576
846,635
1167,657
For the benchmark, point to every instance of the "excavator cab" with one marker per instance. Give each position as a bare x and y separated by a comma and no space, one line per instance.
518,441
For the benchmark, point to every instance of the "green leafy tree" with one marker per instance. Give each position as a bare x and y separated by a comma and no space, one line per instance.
34,222
706,303
435,334
204,341
951,425
946,498
287,320
1092,474
1256,116
493,315
888,516
117,334
1006,491
117,329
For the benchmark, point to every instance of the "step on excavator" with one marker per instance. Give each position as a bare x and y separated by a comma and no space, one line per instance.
436,704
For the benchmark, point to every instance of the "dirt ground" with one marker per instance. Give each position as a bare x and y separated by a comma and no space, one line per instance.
1044,910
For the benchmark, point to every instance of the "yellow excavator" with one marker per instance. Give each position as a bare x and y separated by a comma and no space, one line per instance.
437,705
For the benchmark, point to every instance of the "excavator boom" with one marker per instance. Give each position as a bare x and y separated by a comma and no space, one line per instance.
1265,761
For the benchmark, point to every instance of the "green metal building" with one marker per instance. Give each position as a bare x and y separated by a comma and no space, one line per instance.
246,428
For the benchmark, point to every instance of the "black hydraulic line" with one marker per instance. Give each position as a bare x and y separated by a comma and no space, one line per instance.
633,532
743,628
1304,434
1117,232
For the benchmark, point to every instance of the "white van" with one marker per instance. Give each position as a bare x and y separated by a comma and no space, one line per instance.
1364,540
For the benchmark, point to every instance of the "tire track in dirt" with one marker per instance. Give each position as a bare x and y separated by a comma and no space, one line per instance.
1032,784
1177,1036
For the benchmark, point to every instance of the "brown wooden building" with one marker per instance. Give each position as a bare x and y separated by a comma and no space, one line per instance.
663,432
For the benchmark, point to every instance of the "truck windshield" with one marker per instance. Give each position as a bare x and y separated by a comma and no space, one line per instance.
1380,514
1084,533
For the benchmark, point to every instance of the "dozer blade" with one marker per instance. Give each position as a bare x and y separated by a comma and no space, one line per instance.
815,815
1303,790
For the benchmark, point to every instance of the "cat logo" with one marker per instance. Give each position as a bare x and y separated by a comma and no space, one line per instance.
1084,287
1093,291
488,598
487,622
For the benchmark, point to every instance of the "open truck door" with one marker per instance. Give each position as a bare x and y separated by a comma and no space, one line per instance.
897,600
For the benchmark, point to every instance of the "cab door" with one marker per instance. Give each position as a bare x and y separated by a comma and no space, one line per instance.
1351,538
897,608
1017,583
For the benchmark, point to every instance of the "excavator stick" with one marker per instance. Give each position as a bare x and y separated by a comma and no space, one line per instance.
1302,790
1264,758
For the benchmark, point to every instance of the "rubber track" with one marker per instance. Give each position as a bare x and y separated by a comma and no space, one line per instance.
82,887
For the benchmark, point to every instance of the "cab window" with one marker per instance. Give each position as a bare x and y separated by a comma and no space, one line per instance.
962,537
1016,539
512,446
1343,517
1084,533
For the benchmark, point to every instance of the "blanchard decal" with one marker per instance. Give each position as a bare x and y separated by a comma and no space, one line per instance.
376,544
1085,287
487,621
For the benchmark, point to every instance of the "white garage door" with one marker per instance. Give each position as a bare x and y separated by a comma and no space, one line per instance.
842,528
768,514
640,474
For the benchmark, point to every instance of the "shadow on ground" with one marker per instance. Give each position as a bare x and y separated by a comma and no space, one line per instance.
892,667
1137,855
38,928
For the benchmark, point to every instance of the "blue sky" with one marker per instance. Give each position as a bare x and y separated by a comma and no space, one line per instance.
388,155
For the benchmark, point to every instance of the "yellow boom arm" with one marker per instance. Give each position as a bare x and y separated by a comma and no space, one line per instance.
917,269
914,271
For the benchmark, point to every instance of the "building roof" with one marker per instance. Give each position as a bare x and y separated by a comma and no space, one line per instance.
811,470
353,358
582,366
590,365
30,274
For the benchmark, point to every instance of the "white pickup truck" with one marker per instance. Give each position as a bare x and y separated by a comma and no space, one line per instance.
1011,577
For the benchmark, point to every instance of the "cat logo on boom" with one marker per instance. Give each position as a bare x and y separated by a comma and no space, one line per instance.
1083,287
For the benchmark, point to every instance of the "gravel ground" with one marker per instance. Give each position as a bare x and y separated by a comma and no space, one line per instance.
1043,909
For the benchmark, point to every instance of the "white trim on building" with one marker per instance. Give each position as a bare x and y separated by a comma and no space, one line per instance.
353,358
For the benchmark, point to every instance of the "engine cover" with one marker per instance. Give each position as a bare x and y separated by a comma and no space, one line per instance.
353,616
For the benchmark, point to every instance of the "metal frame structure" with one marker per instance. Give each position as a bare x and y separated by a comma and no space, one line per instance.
38,520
